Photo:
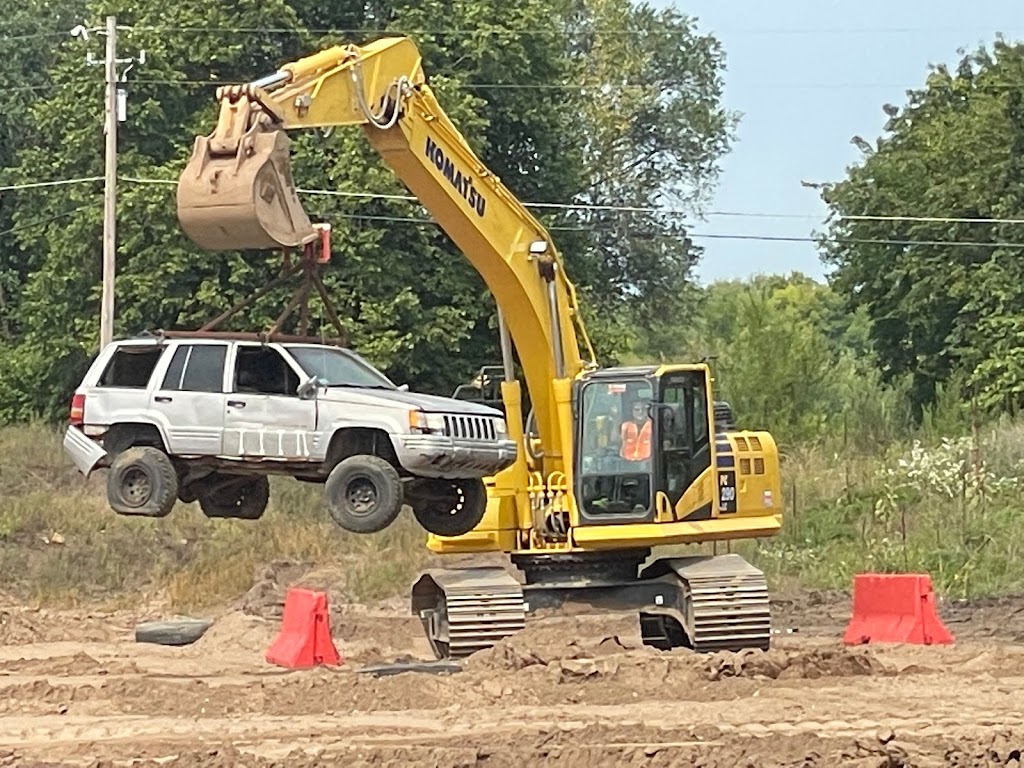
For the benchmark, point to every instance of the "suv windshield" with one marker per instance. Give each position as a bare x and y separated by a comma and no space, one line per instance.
338,368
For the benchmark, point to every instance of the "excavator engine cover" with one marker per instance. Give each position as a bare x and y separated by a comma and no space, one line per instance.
243,197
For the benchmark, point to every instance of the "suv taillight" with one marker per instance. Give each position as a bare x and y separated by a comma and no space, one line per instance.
77,410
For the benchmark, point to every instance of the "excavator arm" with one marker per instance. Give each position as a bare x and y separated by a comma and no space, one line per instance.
237,192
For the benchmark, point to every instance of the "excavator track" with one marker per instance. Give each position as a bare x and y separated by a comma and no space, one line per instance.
723,605
468,610
707,603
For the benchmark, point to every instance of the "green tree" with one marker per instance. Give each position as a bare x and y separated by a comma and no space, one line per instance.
655,130
411,303
790,359
944,297
29,31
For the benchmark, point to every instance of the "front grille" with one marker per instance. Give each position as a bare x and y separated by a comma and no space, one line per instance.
470,427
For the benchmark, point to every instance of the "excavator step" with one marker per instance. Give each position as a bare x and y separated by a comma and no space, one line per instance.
468,609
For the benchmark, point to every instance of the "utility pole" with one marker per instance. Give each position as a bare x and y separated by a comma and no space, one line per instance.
115,101
109,188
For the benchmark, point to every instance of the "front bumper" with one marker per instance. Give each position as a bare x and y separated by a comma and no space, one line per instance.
439,456
86,454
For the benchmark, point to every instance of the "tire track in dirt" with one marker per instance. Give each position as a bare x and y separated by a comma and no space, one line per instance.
566,691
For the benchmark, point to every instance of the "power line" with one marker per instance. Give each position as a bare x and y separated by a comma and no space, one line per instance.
691,235
626,86
556,206
677,211
643,209
612,31
33,36
931,219
858,241
723,236
38,184
39,222
44,86
623,209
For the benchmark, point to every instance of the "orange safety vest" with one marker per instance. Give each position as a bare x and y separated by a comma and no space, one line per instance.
636,442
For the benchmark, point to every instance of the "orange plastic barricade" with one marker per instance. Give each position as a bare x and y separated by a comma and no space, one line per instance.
895,608
305,637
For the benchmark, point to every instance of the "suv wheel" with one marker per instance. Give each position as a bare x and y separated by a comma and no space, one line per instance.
364,494
142,481
244,498
448,507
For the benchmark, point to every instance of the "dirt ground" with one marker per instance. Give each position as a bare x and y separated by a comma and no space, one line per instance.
76,689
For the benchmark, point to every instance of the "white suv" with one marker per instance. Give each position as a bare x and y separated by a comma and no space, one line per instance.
209,417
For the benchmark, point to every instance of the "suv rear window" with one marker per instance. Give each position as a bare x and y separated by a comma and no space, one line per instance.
130,367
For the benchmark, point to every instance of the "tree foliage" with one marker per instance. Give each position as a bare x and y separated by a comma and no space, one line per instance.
654,129
559,103
944,296
790,359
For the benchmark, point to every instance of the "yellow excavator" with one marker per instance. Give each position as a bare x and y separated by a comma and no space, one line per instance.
612,461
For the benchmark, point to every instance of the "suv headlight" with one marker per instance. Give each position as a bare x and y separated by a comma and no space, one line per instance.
500,427
426,423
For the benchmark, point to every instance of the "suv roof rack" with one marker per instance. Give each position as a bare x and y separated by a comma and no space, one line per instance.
263,337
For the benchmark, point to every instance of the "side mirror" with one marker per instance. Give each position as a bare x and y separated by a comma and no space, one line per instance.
309,388
404,388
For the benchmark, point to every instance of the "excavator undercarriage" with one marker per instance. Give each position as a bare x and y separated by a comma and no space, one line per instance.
707,603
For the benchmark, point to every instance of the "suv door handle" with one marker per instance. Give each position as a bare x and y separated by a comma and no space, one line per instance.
162,398
236,403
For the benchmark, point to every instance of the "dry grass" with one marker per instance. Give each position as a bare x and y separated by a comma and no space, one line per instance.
845,517
60,544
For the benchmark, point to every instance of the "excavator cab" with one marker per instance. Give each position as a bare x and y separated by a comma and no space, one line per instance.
644,434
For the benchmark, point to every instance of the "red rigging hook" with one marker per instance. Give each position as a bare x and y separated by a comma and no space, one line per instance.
325,243
311,253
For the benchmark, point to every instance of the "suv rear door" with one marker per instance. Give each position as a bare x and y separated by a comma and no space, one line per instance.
189,400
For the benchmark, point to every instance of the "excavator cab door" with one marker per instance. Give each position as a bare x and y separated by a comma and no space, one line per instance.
638,437
684,435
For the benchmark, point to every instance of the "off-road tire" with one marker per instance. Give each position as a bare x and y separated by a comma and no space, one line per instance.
244,499
172,632
142,481
454,507
364,494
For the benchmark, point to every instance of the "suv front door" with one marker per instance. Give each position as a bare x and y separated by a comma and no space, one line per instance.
189,402
264,417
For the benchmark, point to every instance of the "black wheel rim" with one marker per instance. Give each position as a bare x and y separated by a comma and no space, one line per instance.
136,487
361,496
452,506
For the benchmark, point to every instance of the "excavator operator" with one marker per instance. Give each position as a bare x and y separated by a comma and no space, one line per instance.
635,434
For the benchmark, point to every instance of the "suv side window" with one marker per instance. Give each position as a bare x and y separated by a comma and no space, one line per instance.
263,371
197,368
130,367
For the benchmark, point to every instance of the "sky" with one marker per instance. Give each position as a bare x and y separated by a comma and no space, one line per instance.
807,76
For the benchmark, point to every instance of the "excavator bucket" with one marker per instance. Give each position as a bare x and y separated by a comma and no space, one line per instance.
240,194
